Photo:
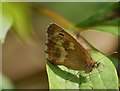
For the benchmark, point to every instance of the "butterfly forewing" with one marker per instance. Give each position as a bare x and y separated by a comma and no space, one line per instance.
63,49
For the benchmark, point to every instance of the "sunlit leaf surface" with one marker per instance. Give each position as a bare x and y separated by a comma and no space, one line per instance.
104,77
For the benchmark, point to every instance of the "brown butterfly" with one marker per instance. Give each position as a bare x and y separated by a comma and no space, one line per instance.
63,49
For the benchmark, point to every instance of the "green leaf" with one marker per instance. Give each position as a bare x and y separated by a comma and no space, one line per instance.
104,77
77,9
16,15
105,16
119,83
22,24
109,29
5,83
6,21
114,60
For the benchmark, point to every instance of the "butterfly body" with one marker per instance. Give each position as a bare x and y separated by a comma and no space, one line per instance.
63,49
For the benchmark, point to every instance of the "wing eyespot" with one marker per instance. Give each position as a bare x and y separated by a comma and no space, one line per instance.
60,34
66,44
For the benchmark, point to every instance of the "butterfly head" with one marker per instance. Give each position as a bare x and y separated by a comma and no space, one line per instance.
91,66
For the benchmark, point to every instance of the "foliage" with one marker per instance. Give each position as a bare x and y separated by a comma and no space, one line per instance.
105,19
104,77
17,16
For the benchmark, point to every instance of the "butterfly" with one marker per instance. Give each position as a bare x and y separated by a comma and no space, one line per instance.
64,49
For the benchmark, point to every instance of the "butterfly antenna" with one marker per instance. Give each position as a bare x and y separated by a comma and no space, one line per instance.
108,54
99,59
99,71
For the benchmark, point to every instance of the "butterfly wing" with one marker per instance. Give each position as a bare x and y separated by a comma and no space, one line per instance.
63,49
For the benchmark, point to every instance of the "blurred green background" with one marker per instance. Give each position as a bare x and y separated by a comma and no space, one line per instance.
23,36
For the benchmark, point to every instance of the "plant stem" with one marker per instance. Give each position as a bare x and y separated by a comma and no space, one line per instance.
67,24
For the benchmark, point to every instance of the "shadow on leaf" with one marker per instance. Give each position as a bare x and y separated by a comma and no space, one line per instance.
66,75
